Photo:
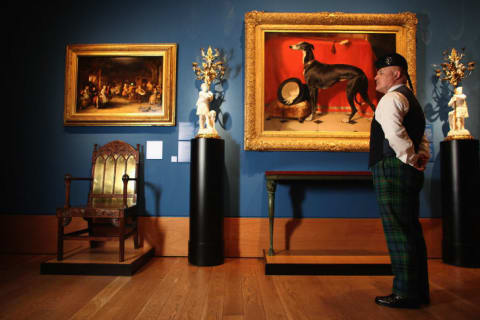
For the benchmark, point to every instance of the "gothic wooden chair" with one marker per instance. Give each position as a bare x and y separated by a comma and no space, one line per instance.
112,200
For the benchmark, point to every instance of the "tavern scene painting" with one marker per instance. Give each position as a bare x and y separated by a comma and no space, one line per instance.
120,85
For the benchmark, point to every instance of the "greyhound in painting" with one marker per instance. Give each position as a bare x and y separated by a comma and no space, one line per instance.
322,76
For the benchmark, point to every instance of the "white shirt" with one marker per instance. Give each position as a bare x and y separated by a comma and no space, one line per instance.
391,110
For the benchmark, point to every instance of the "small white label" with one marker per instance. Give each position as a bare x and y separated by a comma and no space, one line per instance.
155,150
185,131
183,151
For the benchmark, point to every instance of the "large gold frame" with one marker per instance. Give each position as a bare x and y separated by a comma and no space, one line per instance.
74,118
403,25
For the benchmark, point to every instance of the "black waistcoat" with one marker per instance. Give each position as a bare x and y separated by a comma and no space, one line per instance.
414,123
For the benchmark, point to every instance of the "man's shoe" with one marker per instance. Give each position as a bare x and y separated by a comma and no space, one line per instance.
395,301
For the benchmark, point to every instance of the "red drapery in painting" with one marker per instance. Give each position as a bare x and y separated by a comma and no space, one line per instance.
282,63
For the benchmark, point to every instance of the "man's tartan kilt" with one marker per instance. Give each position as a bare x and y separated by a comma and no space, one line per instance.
397,187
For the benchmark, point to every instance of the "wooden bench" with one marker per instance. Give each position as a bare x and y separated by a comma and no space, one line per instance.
345,262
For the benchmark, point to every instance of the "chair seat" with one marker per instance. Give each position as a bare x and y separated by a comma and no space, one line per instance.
90,212
99,235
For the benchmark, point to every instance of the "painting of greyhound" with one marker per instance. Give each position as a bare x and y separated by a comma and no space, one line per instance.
322,76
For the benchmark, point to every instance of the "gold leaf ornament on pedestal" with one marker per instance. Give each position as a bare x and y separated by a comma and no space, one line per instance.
211,68
453,70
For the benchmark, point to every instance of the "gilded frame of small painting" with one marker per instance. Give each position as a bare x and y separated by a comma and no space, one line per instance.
267,131
120,85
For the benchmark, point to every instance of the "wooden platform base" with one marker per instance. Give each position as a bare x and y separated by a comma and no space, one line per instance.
332,262
99,261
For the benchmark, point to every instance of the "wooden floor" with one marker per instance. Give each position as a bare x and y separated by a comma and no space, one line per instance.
170,288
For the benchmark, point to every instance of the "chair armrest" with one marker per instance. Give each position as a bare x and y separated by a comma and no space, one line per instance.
125,179
69,177
68,180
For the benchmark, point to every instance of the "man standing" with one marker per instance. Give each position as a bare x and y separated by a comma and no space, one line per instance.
399,152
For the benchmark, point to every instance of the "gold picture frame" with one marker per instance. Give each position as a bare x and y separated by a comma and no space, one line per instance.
120,85
261,27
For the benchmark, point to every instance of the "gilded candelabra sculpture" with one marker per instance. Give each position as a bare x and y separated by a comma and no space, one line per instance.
210,70
454,71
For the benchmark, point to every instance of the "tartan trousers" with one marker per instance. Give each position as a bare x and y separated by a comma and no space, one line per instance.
397,187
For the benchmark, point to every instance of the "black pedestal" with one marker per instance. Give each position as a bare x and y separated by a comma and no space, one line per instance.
205,247
460,176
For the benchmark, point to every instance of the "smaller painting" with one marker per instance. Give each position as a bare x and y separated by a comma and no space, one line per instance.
120,85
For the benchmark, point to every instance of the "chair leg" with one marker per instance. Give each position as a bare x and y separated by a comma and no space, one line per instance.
93,243
121,239
59,239
136,245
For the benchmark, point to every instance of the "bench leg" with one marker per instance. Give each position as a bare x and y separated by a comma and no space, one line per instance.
271,188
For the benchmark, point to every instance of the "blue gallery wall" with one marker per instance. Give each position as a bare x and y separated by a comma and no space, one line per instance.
44,150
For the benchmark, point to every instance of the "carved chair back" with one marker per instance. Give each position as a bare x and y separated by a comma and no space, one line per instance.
109,165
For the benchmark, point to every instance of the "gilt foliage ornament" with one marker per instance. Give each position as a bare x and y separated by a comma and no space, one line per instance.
453,69
212,68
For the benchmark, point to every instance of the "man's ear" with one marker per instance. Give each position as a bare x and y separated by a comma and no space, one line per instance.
397,74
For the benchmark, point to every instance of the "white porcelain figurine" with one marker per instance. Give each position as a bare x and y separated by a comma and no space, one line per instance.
456,117
206,118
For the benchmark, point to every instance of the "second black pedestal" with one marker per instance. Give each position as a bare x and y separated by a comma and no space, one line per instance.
460,176
205,246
